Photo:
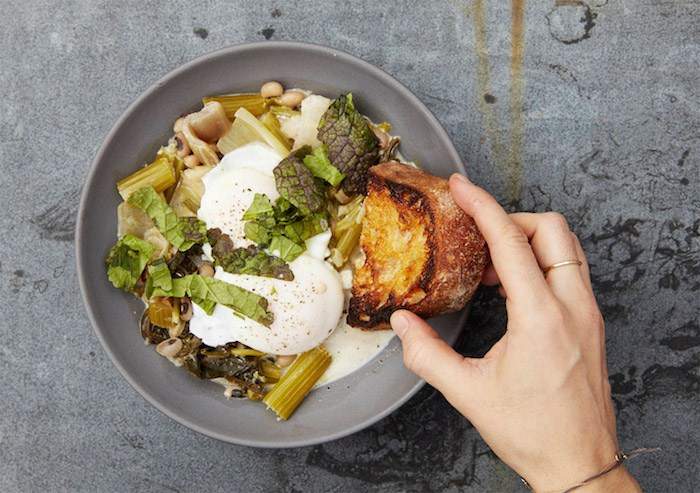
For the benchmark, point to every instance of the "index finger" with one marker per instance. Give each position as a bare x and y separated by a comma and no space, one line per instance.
511,254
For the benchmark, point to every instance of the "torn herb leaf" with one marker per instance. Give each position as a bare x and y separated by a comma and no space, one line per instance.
158,277
208,291
182,233
126,261
251,260
286,248
300,231
260,207
321,167
257,233
350,142
241,301
295,183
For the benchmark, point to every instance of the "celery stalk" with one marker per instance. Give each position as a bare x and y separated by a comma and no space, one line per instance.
246,129
297,382
244,351
273,125
271,371
347,242
252,102
160,174
349,215
282,112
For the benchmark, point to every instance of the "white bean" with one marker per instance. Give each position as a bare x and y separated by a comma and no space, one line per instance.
271,89
169,348
191,161
291,99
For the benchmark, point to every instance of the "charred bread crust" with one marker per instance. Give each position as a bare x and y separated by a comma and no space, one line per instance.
421,251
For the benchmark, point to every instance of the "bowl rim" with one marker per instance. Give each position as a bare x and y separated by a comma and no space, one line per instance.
89,301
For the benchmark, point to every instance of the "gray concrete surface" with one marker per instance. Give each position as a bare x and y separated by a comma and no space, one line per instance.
600,121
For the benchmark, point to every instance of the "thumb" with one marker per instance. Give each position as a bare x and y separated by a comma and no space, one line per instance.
427,355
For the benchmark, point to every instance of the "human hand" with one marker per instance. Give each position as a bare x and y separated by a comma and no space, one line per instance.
540,397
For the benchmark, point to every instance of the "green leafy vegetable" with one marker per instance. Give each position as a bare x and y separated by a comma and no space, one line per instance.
351,145
261,207
257,233
321,167
251,260
158,277
207,292
282,227
180,232
126,261
300,231
288,250
295,183
241,301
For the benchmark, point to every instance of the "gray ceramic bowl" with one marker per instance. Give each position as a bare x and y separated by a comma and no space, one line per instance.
345,406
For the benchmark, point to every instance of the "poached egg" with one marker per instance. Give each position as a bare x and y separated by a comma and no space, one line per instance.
307,309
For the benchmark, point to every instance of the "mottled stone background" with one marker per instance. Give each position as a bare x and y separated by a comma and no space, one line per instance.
597,116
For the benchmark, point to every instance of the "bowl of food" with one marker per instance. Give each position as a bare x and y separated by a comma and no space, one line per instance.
246,230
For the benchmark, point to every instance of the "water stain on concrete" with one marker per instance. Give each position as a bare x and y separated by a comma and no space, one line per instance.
483,80
517,88
570,21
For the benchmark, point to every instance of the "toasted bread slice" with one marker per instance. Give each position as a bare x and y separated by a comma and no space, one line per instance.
421,251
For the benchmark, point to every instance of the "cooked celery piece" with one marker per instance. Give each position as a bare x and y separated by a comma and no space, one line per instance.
271,371
273,125
347,241
205,152
252,102
160,174
132,221
349,215
188,194
297,382
244,351
283,112
246,129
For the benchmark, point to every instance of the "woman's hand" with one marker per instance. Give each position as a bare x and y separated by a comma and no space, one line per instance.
540,397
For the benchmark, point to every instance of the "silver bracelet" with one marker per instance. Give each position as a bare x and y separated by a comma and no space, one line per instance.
620,457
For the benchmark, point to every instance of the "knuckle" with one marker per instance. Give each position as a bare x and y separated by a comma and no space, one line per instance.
556,220
513,236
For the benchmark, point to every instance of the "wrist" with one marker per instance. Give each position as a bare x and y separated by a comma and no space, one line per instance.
618,480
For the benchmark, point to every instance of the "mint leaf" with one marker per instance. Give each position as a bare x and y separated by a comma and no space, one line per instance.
158,277
251,260
301,231
287,249
126,261
181,232
321,167
241,301
260,207
257,233
207,292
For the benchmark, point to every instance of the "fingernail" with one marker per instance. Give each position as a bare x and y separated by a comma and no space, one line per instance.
399,323
460,178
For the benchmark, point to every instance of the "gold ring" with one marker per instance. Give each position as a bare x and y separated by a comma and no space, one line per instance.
561,264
